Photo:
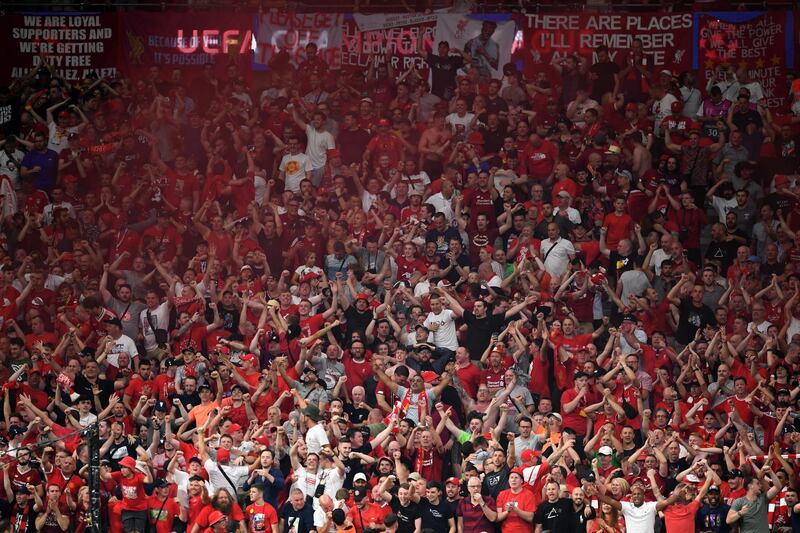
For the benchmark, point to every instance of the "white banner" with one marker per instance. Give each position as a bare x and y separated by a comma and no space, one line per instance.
390,20
291,32
488,41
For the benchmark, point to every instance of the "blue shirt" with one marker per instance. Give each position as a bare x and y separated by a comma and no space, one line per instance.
271,489
48,161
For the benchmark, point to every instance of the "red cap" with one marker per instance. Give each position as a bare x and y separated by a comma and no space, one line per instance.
334,152
488,249
234,428
631,106
677,106
519,471
781,180
249,357
225,349
128,462
63,114
384,122
528,455
453,480
362,296
223,455
310,275
70,178
428,375
263,440
214,517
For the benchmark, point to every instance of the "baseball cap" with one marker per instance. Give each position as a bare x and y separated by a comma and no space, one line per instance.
161,483
360,477
113,322
359,494
528,455
249,357
223,455
563,194
234,428
161,405
428,375
414,476
453,481
214,517
713,488
605,450
384,122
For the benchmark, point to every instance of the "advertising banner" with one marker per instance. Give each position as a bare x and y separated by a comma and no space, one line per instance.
187,41
76,45
762,43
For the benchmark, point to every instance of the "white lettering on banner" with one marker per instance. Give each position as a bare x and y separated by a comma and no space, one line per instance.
756,45
359,48
558,35
292,32
72,44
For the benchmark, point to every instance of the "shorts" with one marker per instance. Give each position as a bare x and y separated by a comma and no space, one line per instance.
134,521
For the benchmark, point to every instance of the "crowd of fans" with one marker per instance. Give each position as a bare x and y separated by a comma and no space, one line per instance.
339,301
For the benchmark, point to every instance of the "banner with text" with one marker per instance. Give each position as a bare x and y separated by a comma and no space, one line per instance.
762,43
488,38
187,41
76,45
291,32
665,38
369,38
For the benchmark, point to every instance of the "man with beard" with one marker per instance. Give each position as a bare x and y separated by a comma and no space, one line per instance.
123,305
710,518
22,475
750,511
554,513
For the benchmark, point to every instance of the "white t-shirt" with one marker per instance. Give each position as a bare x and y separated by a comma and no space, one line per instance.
558,258
237,474
316,438
639,519
445,336
57,139
160,320
295,166
461,125
123,344
9,165
662,109
416,182
319,142
305,481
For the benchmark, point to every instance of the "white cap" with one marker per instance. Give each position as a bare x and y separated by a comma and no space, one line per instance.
605,450
360,476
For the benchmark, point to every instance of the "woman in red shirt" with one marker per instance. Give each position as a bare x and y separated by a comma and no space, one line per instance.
134,499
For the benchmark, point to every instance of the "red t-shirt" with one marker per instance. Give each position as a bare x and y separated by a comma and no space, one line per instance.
163,520
261,517
680,517
573,420
525,501
619,227
133,495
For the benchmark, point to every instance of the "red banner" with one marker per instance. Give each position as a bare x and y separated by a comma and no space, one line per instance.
186,41
666,38
754,41
74,44
397,40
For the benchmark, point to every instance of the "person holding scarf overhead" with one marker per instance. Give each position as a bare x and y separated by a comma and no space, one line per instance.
416,400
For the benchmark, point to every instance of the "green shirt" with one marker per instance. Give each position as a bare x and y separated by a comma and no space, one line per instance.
755,521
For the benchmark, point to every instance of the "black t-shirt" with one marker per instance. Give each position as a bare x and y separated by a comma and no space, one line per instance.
443,74
712,518
580,520
556,516
605,78
406,516
480,332
84,388
357,320
495,482
691,319
435,517
724,252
